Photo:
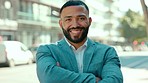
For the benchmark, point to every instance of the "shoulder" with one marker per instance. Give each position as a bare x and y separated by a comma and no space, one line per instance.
101,46
106,50
98,44
52,45
47,46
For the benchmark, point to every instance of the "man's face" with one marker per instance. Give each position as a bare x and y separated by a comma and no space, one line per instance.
75,23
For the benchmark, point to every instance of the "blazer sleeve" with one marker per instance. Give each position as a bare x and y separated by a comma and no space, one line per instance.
49,72
111,72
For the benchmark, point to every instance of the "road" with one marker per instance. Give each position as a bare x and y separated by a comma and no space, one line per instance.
134,66
19,74
134,69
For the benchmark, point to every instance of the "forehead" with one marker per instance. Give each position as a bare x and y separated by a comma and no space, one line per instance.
74,11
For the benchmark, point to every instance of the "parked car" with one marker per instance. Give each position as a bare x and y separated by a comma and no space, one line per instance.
13,53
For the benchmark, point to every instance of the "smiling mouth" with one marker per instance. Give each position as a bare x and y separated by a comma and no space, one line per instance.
75,31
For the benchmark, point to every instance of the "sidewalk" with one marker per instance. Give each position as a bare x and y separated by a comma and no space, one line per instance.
133,53
134,75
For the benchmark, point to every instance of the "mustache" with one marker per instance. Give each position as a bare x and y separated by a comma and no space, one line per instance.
69,29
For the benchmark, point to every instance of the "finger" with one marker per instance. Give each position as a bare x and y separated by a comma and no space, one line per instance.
58,64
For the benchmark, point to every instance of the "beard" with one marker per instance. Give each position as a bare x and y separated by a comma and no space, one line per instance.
76,40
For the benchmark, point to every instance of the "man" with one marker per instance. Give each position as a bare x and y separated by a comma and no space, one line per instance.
76,58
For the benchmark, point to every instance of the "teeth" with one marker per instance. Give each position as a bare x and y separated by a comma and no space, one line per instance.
75,31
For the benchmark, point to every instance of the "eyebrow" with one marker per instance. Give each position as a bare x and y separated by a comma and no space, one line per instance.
71,16
67,16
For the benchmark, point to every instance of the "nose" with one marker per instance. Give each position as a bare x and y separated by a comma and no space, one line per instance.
75,23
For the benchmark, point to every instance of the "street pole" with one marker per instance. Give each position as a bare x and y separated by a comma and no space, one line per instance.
145,11
7,5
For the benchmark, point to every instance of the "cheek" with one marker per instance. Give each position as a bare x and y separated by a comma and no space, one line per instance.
85,23
63,25
66,26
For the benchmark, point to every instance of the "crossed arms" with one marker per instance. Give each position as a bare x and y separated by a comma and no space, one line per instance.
49,71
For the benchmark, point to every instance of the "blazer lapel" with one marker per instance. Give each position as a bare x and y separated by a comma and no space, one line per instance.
88,54
69,54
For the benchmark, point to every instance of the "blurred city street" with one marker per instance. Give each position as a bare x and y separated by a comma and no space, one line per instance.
36,22
132,75
19,74
134,68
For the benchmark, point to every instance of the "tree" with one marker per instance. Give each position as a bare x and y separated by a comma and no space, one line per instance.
132,26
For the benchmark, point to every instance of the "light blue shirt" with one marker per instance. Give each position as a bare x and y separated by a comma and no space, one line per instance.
79,54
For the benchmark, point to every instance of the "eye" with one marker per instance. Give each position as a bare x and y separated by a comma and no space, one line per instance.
81,18
67,20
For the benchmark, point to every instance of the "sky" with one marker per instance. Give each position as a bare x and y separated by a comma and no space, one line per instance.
134,5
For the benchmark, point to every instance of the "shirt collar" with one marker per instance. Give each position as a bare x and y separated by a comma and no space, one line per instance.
85,44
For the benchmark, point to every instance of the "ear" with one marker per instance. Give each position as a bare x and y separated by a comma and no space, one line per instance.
60,23
90,20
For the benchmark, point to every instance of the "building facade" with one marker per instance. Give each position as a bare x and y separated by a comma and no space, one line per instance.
36,21
29,21
105,14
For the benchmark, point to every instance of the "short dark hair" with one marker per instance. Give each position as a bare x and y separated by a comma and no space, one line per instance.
74,3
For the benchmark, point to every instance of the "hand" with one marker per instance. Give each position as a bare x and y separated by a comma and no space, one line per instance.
58,64
97,79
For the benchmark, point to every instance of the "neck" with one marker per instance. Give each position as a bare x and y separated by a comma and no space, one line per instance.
77,45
